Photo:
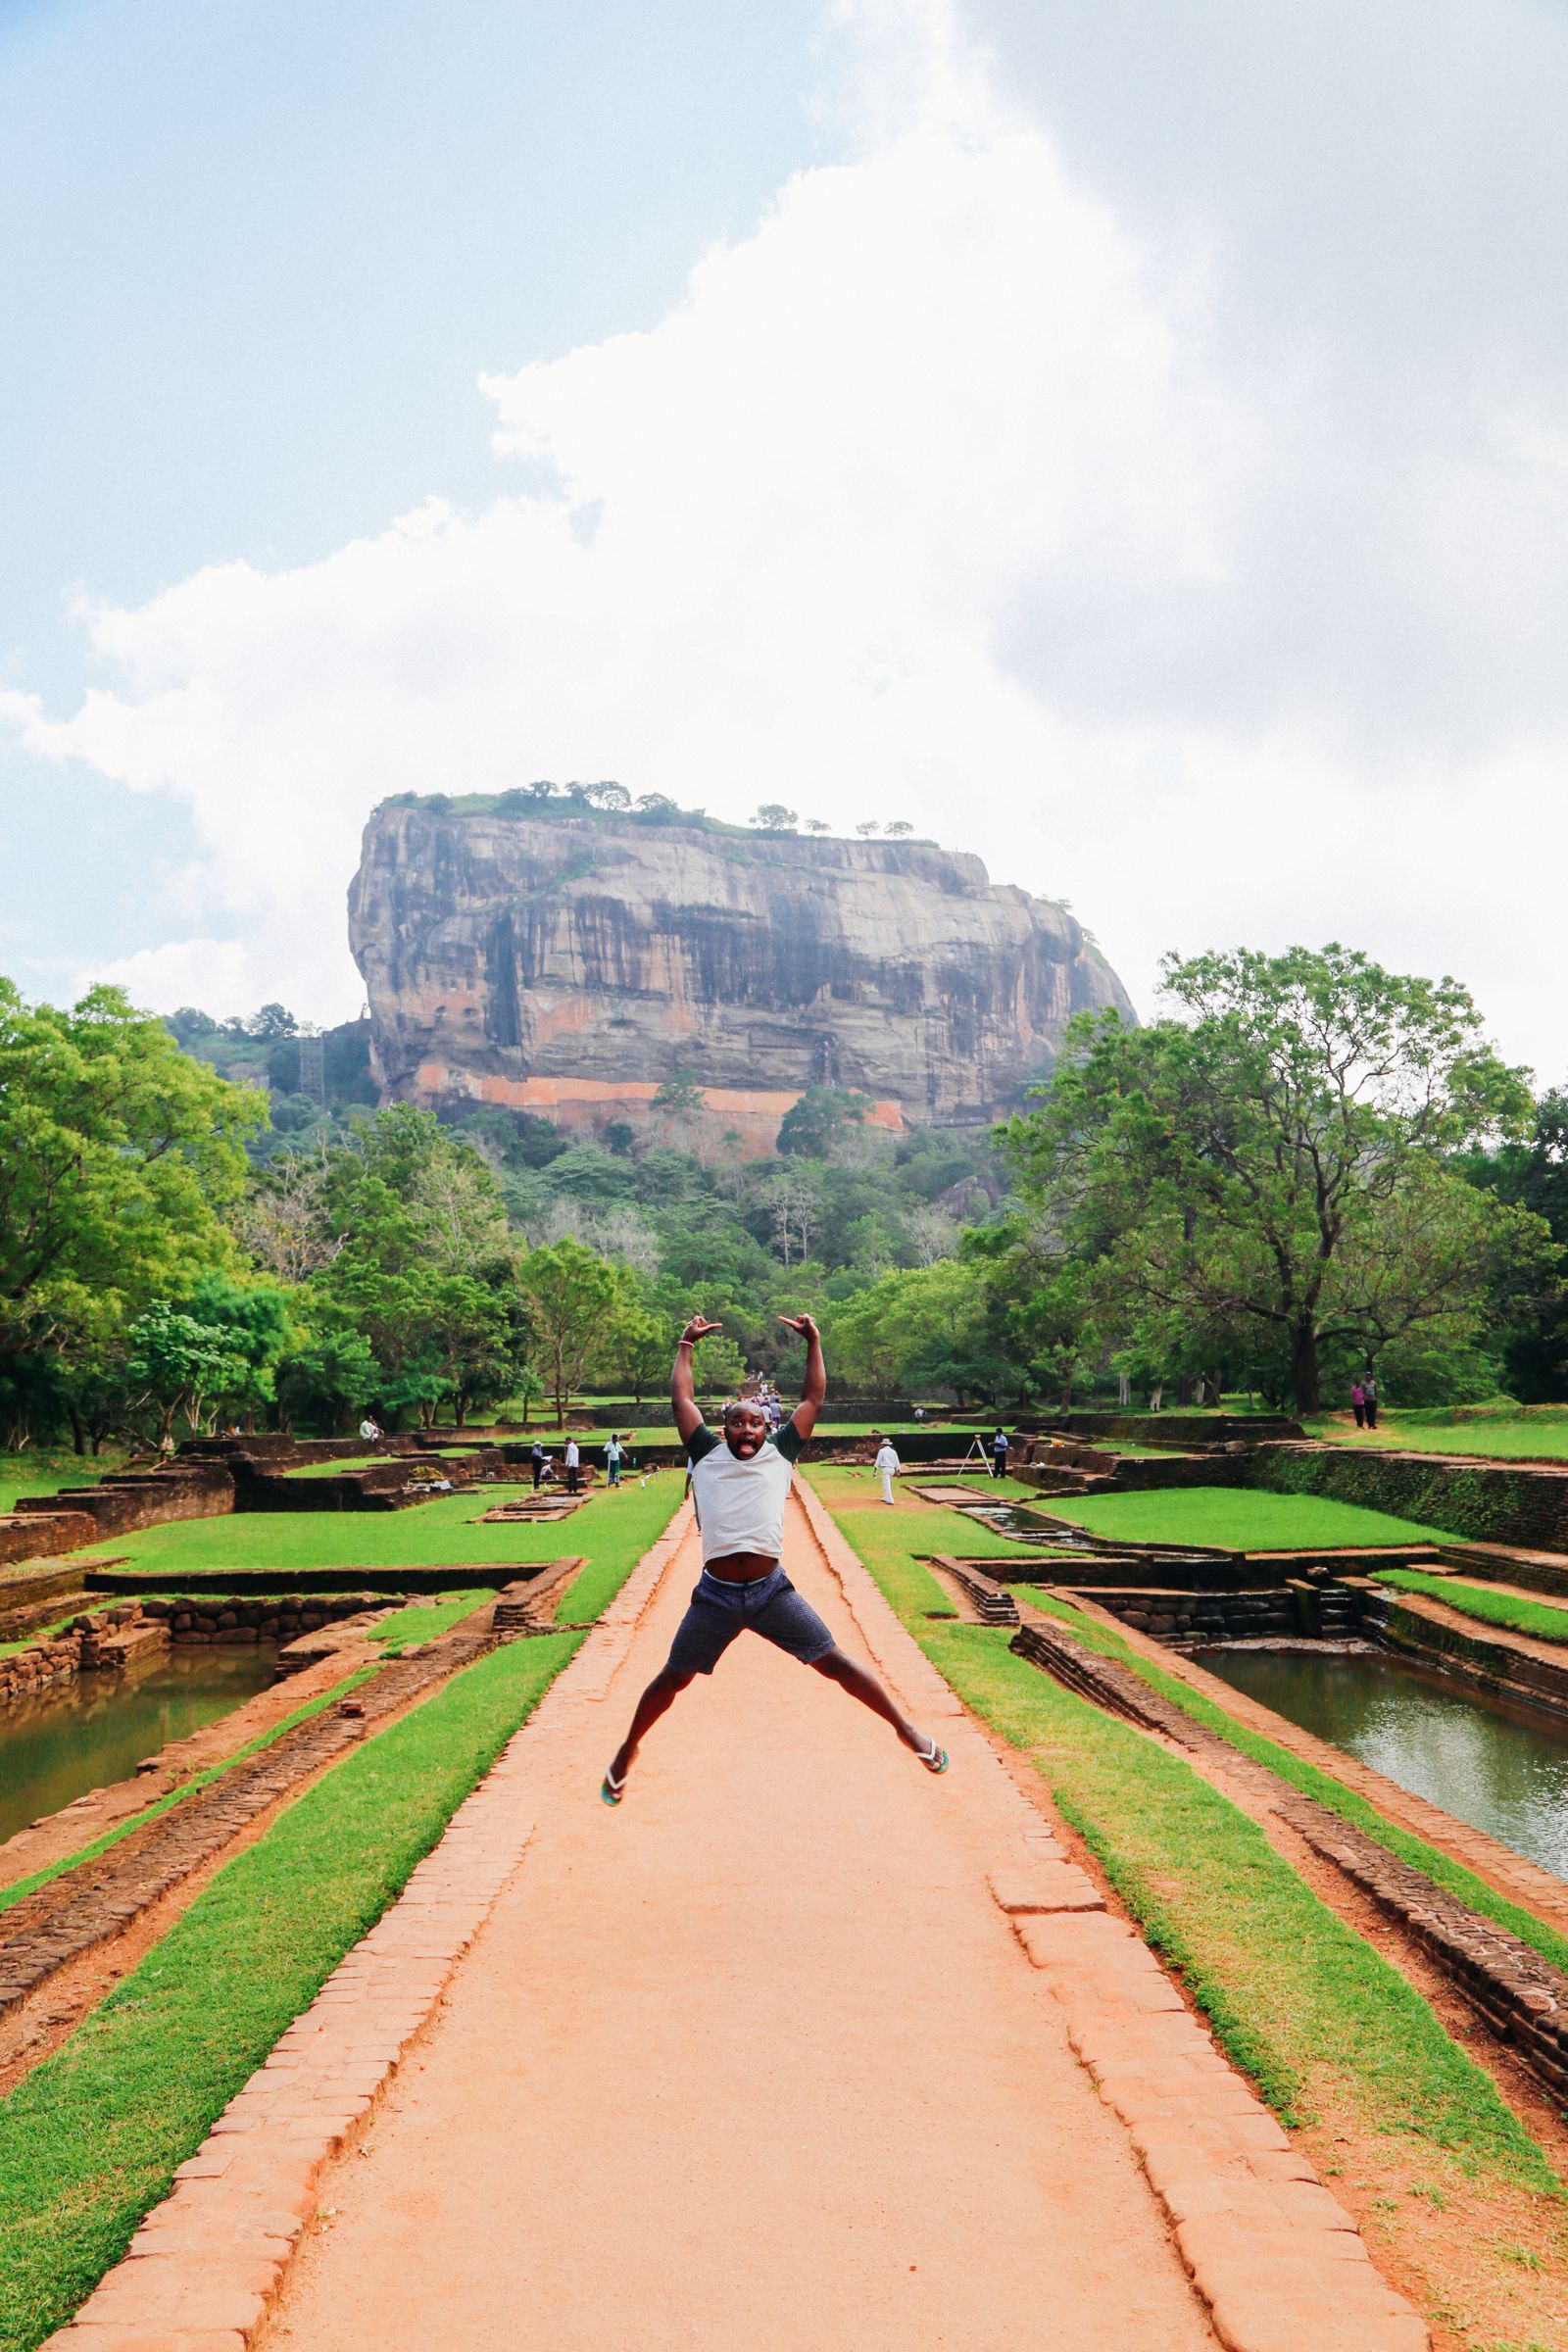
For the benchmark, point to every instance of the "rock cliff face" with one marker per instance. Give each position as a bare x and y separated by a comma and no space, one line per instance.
571,964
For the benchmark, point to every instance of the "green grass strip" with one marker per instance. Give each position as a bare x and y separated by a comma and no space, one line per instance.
90,2139
173,1797
1238,1519
1299,2000
1540,1618
1313,1782
426,1620
450,1532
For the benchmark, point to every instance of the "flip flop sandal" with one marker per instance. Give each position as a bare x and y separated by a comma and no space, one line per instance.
936,1760
612,1791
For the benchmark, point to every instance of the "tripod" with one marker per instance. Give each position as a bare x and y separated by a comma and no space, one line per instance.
978,1452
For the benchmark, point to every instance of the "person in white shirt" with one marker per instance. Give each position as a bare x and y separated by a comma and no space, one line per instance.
888,1466
740,1484
368,1430
572,1458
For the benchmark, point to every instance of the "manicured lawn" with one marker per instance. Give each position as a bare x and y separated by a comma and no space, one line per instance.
1541,1434
1231,1518
1298,1999
44,1470
435,1535
1544,1620
90,2139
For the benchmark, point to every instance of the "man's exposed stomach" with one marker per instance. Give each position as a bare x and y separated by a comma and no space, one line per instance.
740,1567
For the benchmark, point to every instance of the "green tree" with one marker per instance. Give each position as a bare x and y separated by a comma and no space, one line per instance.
253,1322
1254,1161
119,1156
570,1296
680,1094
774,818
817,1121
178,1364
325,1380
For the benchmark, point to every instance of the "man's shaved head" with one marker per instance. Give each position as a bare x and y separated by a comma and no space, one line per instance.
744,1427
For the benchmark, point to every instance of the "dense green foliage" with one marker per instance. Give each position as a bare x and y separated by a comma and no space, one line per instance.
1313,1165
1265,1180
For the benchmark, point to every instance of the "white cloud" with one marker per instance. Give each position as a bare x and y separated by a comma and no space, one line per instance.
963,489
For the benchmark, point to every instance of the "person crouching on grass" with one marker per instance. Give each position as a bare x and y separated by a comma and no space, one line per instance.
740,1483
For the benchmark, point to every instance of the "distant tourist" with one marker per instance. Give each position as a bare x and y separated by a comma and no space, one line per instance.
741,1485
572,1459
999,1454
370,1429
1358,1403
536,1456
886,1466
612,1461
1369,1394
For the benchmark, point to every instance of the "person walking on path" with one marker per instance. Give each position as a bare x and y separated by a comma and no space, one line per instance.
1358,1403
999,1454
886,1466
612,1462
536,1456
740,1484
572,1459
1369,1392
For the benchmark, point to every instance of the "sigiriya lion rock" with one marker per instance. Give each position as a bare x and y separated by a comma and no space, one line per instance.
548,958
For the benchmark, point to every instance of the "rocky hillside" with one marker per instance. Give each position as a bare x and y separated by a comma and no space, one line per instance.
570,964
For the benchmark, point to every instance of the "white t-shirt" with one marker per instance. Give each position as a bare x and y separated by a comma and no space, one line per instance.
886,1458
571,1454
740,1504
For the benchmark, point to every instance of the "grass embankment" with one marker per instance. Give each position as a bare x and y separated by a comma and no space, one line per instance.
1299,2000
351,1462
1334,2038
90,2139
171,1796
1537,1433
447,1532
1542,1620
44,1470
1349,1804
1230,1518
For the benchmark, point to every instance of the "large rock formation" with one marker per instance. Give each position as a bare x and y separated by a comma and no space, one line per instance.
572,963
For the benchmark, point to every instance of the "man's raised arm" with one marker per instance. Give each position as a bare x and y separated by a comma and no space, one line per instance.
813,1387
682,1395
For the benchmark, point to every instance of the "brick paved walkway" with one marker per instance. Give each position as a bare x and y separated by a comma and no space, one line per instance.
781,2053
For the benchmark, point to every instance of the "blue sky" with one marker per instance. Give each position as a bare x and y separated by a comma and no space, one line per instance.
252,263
1130,441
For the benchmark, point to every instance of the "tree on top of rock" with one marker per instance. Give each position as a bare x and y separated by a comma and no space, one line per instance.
774,818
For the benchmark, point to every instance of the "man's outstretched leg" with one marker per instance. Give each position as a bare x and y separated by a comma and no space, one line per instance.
842,1669
659,1696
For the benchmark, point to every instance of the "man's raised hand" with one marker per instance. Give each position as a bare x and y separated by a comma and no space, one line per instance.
805,1325
698,1329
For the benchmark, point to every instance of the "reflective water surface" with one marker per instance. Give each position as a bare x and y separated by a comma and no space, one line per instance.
96,1728
1503,1769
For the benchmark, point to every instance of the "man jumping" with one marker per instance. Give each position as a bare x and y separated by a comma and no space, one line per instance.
740,1483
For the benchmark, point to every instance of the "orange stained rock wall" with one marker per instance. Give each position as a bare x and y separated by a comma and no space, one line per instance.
588,1104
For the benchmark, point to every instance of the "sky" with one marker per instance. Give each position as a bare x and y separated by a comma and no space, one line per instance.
1130,442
